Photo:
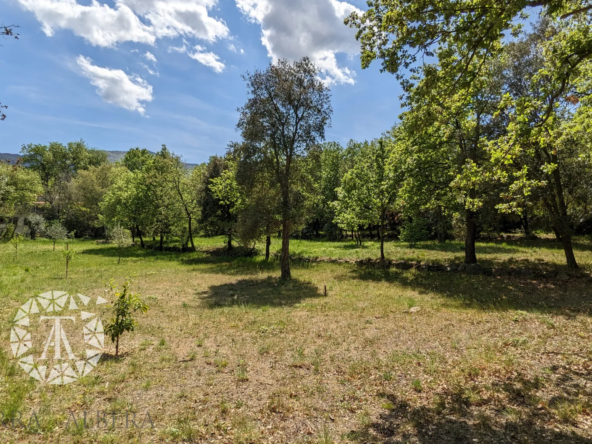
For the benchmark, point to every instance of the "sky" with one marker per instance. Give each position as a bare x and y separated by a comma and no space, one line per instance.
142,73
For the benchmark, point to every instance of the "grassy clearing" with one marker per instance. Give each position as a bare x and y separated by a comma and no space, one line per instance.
228,353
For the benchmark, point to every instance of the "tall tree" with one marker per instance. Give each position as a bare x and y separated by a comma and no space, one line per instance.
285,116
545,154
463,33
19,188
57,164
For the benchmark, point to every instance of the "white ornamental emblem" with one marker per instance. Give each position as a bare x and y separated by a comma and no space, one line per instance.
55,340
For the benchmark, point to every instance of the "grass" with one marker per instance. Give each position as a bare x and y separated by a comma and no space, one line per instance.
228,353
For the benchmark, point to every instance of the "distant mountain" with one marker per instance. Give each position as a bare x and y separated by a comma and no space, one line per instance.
11,157
112,156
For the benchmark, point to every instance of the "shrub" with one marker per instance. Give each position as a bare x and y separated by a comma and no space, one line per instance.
125,306
56,231
36,224
121,237
414,231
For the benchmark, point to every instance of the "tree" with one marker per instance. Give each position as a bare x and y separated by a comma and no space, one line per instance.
166,207
56,231
449,133
19,188
369,190
56,164
285,116
216,217
122,239
69,256
230,196
129,203
86,191
125,306
36,224
462,33
183,182
545,154
137,159
16,241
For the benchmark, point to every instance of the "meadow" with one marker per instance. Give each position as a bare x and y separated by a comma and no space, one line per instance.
229,353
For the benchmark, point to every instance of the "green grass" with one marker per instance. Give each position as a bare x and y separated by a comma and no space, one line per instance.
229,353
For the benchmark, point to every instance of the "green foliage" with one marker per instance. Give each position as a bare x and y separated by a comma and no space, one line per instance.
56,164
414,231
56,231
121,237
125,307
284,118
36,224
69,256
15,242
369,190
19,188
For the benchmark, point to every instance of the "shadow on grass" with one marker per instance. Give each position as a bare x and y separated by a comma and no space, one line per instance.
491,293
259,293
454,418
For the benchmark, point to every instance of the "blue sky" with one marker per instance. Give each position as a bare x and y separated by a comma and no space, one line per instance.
127,73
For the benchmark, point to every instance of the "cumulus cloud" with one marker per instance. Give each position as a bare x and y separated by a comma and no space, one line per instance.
292,29
116,87
102,25
150,57
208,59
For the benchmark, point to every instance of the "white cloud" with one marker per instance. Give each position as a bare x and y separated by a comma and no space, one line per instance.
102,25
150,57
207,58
98,24
292,29
151,71
116,87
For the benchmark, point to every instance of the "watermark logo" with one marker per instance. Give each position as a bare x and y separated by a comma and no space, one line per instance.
57,338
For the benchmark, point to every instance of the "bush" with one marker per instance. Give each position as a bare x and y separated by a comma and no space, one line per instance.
36,224
415,231
125,305
332,231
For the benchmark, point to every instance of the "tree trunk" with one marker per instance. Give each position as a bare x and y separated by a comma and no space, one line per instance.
161,247
267,245
118,259
440,227
285,257
382,239
568,249
191,235
525,223
140,236
470,253
133,232
117,346
229,242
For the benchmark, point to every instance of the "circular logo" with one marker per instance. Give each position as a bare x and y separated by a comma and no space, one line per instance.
55,339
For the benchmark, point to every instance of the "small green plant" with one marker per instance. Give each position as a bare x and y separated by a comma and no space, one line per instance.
15,241
125,306
56,231
122,239
69,255
414,231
